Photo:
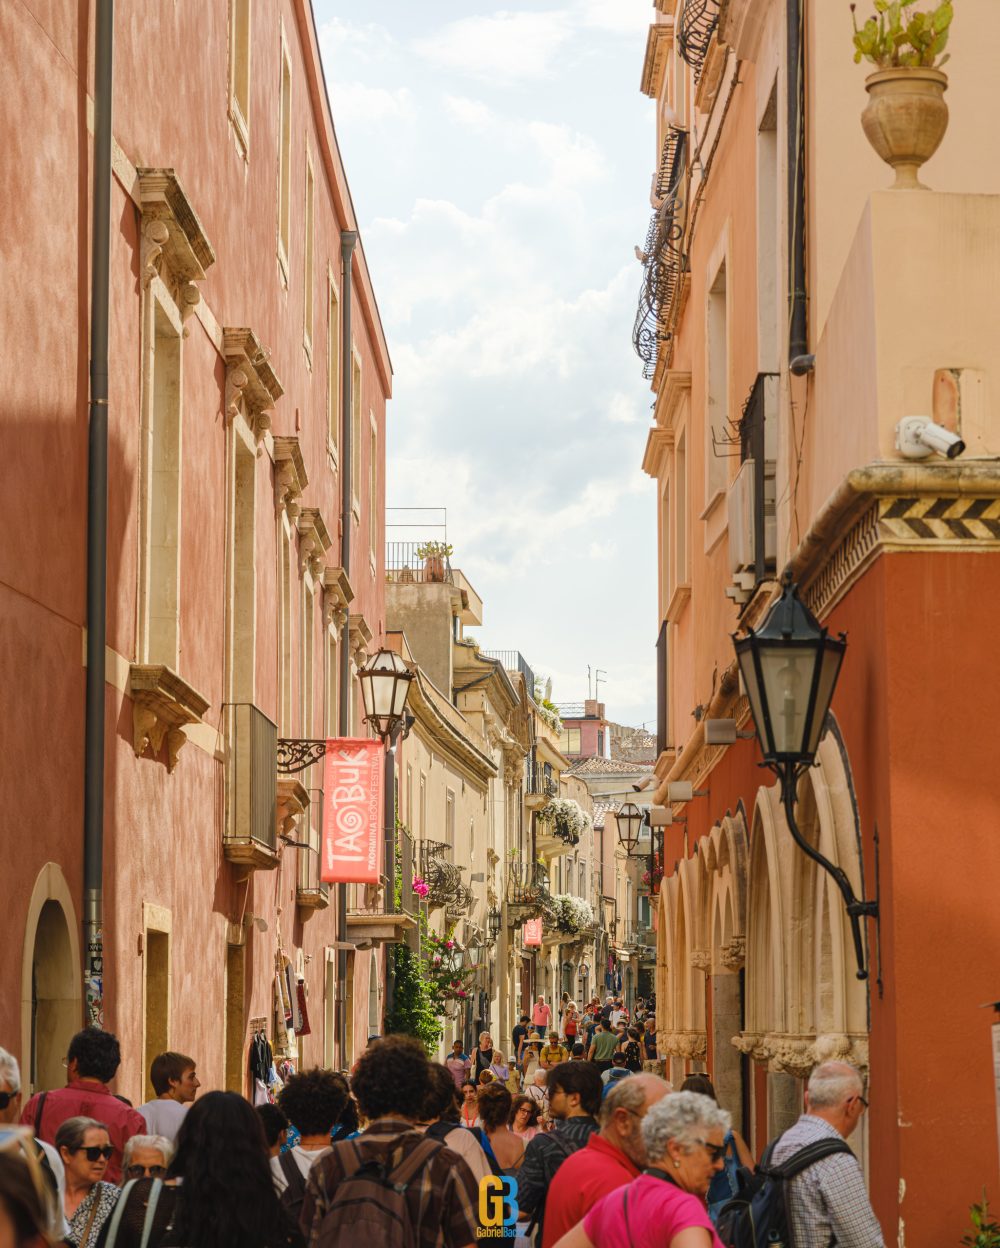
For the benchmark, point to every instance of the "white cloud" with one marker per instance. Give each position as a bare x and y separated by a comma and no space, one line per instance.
620,17
342,42
621,410
358,104
507,46
603,550
472,113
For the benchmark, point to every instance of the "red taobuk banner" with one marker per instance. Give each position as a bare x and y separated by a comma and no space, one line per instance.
532,932
353,778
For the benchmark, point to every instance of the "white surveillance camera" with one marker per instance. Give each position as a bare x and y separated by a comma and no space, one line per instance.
643,784
917,437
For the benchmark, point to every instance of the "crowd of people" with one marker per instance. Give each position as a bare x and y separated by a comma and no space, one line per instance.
601,1149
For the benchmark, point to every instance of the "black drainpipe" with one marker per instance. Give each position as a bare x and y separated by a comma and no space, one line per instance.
799,360
97,525
348,239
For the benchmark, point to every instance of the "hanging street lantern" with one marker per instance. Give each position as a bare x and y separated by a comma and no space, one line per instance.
495,920
629,819
385,684
790,668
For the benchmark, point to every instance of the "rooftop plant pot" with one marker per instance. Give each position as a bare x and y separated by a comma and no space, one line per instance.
905,119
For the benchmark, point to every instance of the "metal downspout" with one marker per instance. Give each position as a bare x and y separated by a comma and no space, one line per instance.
798,338
97,525
348,240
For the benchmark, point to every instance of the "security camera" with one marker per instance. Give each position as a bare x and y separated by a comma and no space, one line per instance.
643,784
917,437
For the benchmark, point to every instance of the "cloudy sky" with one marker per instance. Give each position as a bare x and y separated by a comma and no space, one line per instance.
499,160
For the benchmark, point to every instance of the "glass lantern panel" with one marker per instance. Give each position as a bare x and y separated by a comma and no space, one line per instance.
832,658
788,676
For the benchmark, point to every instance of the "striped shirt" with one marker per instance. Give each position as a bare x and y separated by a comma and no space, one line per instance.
442,1198
827,1203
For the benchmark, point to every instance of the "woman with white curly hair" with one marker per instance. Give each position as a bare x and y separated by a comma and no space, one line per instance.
664,1207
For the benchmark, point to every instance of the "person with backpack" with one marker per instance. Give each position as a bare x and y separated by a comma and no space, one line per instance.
49,1161
574,1102
313,1101
738,1157
391,1186
439,1120
809,1188
615,1072
219,1191
665,1206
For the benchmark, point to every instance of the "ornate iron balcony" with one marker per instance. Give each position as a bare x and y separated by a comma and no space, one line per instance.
699,19
663,258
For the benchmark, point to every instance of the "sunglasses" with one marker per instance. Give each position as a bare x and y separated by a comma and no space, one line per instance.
6,1098
146,1172
96,1150
716,1152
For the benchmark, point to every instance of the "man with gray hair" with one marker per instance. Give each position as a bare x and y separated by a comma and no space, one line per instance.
827,1203
612,1157
146,1157
10,1108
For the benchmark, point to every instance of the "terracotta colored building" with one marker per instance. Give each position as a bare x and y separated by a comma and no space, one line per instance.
763,252
244,582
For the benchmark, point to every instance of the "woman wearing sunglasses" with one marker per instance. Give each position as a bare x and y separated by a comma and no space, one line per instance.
664,1207
85,1148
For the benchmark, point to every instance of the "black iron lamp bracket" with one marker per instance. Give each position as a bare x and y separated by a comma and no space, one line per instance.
857,908
295,755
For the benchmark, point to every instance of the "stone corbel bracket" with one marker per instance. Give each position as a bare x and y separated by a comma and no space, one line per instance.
173,243
293,802
162,705
735,953
337,597
692,1045
314,540
290,477
250,380
360,635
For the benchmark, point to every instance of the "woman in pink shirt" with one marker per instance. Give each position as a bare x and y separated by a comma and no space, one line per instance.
665,1206
540,1015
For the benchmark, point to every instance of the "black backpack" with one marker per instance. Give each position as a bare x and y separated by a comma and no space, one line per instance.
293,1197
757,1215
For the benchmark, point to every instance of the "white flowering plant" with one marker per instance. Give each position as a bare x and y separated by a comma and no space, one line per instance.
572,914
568,818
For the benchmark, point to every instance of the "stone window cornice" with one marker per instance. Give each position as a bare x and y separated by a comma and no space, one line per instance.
162,705
290,477
360,635
314,540
337,597
173,243
250,379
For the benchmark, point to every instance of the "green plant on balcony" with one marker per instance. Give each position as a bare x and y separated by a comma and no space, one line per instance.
572,914
434,555
896,37
566,817
986,1230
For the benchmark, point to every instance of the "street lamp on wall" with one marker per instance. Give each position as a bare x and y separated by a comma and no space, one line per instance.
495,920
629,820
790,668
385,685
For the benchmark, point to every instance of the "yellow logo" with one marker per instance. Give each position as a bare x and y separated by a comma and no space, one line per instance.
498,1207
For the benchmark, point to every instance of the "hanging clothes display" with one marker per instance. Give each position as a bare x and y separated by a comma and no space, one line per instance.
261,1063
303,1028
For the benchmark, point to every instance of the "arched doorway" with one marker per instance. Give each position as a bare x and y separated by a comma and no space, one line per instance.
50,981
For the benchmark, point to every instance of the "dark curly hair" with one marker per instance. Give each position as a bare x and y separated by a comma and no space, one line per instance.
441,1099
581,1077
228,1198
533,1105
494,1106
97,1053
314,1100
392,1078
274,1122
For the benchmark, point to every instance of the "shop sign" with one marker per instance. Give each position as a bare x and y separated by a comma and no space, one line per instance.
532,933
353,778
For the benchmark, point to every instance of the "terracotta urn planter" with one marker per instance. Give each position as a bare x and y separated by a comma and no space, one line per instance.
434,568
905,119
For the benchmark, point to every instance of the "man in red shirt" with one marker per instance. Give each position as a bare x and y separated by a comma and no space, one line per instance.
91,1063
612,1157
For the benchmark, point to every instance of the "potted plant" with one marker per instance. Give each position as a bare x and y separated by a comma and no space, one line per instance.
434,555
906,115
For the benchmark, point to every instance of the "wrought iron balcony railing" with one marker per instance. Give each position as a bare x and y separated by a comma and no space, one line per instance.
514,661
311,892
663,258
699,18
527,889
639,935
405,565
539,779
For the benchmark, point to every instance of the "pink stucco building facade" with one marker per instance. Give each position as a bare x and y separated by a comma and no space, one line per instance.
232,595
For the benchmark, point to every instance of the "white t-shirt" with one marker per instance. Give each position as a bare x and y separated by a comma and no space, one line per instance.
304,1158
163,1117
